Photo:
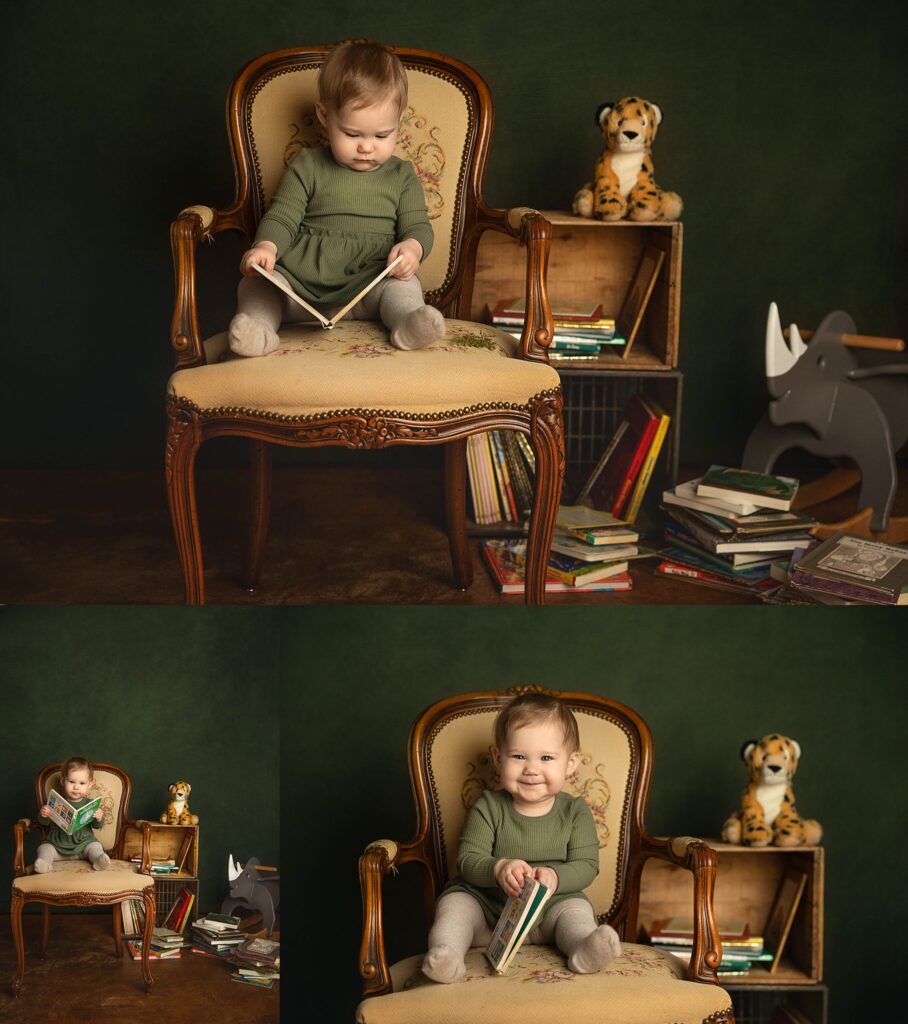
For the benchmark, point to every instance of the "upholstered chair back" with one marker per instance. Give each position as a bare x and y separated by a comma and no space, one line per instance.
273,117
110,783
451,765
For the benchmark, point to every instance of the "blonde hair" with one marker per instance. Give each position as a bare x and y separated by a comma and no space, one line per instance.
529,708
358,74
76,763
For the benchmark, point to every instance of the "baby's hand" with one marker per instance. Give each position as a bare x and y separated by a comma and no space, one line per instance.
99,814
262,253
45,811
510,875
411,251
547,877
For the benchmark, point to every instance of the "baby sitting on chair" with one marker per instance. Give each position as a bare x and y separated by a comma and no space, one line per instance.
76,777
528,828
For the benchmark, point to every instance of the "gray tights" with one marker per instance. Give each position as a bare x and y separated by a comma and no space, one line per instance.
460,924
93,853
262,308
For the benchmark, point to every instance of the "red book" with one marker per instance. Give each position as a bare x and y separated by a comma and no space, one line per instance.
613,488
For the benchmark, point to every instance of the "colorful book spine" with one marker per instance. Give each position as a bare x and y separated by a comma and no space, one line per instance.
646,470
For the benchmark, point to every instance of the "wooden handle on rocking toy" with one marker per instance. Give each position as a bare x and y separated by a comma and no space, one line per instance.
862,341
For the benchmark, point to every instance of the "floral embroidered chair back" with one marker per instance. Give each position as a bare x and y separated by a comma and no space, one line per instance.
451,765
110,783
272,111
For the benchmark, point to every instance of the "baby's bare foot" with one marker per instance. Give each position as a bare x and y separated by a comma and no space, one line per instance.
596,951
248,336
443,964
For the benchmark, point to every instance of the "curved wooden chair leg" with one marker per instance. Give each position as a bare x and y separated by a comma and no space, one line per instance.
45,928
18,939
118,929
456,511
148,898
547,436
182,444
259,512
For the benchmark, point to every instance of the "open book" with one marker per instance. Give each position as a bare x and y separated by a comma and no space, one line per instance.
516,922
279,282
68,817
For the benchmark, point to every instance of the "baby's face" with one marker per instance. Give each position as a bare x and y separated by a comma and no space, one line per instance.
362,138
533,765
77,784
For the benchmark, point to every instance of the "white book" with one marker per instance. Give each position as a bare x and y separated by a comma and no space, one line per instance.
279,282
567,544
686,496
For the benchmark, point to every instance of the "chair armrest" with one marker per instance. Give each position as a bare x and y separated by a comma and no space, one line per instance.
193,225
531,229
701,860
376,861
140,825
22,826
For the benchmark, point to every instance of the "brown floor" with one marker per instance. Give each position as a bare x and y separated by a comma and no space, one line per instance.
82,980
339,535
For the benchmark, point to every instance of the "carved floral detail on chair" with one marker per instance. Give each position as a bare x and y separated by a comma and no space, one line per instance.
588,781
417,142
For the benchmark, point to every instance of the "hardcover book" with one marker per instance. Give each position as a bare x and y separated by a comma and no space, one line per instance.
686,496
762,489
503,559
612,490
516,922
576,310
69,818
861,568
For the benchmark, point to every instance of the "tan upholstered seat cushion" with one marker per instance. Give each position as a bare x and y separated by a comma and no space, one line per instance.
353,366
641,987
71,877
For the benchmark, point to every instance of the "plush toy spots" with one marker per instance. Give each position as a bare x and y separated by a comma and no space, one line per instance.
624,185
768,814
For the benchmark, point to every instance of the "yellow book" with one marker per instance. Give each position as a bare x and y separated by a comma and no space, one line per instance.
646,470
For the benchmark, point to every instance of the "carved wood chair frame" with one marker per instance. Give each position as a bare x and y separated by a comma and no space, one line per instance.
426,848
83,899
541,418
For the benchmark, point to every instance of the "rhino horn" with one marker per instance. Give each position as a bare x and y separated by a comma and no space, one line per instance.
797,343
233,870
779,357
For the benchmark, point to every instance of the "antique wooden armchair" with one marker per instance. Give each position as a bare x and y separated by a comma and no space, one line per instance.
348,386
450,765
75,882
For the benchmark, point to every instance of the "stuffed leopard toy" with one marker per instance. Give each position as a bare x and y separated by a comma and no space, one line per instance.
768,814
178,812
623,184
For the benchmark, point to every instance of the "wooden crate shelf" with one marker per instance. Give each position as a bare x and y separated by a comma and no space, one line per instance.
746,885
592,259
168,842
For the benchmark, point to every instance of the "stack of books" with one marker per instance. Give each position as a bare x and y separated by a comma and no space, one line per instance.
500,467
132,914
166,944
159,865
581,331
619,480
258,962
217,935
846,569
726,528
505,560
740,949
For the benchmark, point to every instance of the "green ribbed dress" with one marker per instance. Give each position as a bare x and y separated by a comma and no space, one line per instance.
334,227
564,839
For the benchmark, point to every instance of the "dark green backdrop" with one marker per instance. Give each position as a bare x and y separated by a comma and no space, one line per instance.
783,131
704,679
163,693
